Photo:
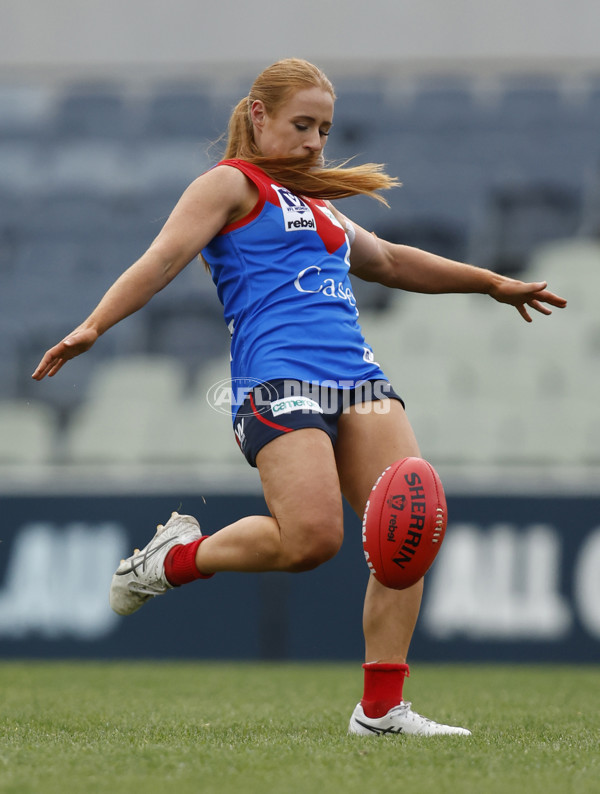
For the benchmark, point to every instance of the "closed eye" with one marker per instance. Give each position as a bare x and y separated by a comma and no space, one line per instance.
304,128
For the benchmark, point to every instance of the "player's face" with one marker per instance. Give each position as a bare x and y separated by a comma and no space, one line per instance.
299,127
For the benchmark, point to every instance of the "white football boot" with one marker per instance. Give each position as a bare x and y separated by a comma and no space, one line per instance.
142,576
400,719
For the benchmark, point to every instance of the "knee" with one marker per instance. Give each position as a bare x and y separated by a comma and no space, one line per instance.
315,545
313,554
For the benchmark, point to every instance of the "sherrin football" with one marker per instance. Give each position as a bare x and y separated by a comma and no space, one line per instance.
404,523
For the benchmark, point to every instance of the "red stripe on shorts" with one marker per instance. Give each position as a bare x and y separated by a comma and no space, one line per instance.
267,421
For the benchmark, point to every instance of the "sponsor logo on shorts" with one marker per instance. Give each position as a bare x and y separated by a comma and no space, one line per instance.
288,404
246,397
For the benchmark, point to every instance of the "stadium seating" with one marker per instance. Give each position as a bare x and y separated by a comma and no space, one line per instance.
178,110
128,398
24,110
507,178
27,432
93,110
520,218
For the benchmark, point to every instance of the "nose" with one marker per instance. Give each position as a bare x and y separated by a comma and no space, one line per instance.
314,142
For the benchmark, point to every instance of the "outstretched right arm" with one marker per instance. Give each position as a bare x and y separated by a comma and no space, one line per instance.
208,204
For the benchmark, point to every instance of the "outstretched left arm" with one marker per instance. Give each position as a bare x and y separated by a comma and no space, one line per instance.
414,270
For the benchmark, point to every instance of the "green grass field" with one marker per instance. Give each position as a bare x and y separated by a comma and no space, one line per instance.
199,727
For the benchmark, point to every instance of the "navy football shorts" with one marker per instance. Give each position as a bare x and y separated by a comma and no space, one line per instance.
281,406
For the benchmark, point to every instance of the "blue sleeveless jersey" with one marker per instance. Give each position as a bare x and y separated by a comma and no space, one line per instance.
281,274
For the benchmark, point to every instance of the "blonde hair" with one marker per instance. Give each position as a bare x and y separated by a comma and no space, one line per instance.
274,86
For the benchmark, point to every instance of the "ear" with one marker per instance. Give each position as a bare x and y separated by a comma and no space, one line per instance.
258,113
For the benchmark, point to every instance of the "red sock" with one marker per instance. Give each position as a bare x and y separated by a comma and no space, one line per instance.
383,687
180,563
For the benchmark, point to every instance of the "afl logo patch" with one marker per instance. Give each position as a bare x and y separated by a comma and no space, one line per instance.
297,215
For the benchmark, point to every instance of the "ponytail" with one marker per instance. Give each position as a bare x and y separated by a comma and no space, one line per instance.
240,133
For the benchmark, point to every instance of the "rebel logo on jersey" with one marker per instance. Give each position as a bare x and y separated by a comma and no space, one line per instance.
304,214
297,215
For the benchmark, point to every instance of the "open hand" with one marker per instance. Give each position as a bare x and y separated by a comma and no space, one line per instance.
77,342
521,295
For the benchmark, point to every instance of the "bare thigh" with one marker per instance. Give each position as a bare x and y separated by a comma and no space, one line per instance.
368,442
302,491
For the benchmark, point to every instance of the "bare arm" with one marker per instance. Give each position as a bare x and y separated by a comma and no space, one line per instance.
414,270
204,208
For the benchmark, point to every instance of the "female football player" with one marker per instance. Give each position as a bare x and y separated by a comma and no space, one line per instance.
316,415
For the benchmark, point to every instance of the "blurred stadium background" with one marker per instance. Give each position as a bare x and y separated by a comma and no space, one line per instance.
490,116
